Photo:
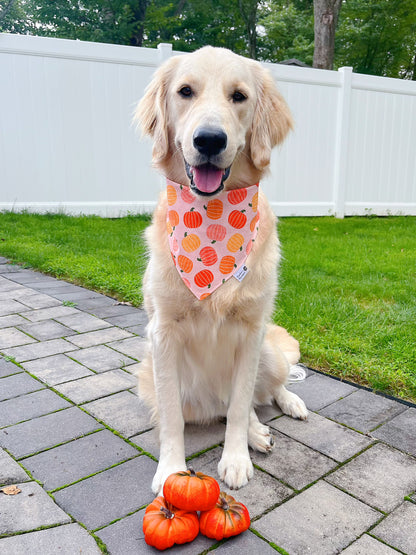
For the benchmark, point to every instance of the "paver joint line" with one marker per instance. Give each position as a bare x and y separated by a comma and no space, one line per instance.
76,438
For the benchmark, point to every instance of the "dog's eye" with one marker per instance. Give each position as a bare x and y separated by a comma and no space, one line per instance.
238,96
186,92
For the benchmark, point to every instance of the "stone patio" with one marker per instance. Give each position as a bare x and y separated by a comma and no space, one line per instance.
77,442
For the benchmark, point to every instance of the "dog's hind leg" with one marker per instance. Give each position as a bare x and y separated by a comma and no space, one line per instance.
278,350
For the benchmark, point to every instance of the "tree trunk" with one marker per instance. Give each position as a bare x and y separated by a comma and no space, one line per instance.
326,14
248,10
139,12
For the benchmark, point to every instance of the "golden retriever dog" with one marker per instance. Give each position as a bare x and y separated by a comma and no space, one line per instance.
214,118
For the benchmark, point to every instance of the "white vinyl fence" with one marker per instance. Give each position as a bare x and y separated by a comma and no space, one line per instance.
67,142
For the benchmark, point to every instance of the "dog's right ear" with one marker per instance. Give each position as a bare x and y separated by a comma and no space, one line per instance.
151,111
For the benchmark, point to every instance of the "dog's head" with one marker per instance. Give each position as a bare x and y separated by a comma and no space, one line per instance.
214,118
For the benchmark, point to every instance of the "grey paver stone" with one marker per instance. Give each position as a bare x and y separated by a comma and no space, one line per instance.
11,320
126,537
40,349
57,369
123,412
266,413
75,297
77,459
7,368
110,495
137,330
12,307
293,463
27,277
19,384
262,492
35,300
327,437
366,545
98,385
47,329
99,337
30,406
322,519
246,543
135,347
45,286
366,477
47,313
10,471
101,358
68,539
11,337
47,431
318,391
82,322
96,305
137,318
9,268
106,309
29,510
363,410
400,432
197,438
399,528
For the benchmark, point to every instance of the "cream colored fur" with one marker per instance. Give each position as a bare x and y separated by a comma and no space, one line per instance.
220,356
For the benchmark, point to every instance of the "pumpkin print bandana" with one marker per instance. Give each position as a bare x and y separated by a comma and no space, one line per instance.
210,239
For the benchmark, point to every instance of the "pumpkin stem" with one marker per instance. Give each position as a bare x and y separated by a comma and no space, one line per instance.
192,471
224,505
167,512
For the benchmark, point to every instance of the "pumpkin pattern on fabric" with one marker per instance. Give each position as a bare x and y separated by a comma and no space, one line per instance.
210,240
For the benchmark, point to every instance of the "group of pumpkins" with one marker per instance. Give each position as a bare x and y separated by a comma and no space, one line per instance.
173,519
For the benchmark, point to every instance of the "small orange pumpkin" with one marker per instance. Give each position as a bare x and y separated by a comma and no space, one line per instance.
227,264
236,196
165,525
227,518
192,218
208,256
173,218
216,232
171,194
191,491
204,278
187,196
235,242
237,219
215,208
185,263
191,242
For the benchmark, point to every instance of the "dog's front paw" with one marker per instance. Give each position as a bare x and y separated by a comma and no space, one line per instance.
235,470
260,438
163,471
292,405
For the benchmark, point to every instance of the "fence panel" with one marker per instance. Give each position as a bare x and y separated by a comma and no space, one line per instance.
67,141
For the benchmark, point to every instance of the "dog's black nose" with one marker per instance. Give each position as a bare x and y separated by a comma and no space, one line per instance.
209,141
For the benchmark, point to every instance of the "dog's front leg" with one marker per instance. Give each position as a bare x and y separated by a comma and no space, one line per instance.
235,467
171,422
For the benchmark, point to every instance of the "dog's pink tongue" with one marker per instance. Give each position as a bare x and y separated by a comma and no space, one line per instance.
207,178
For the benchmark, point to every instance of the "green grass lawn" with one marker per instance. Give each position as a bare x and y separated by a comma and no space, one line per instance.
347,287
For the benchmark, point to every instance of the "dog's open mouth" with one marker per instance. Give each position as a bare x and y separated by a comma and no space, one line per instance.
206,179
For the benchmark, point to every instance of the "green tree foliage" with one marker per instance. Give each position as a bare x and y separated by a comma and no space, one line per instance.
378,37
286,31
373,36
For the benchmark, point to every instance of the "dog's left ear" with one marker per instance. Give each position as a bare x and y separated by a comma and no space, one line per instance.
151,111
272,119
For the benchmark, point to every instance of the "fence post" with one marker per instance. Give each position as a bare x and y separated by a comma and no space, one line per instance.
341,140
164,50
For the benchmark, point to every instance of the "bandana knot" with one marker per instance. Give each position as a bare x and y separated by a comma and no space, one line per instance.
210,240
